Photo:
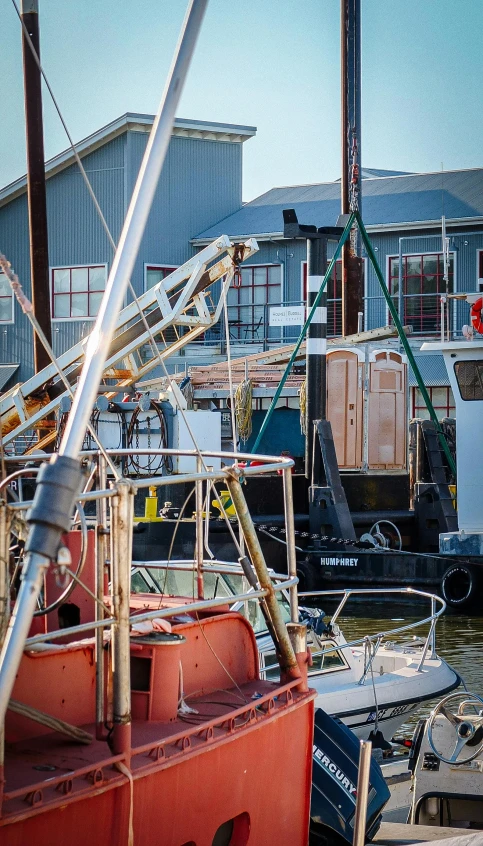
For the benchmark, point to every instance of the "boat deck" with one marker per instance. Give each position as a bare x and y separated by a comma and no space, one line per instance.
41,770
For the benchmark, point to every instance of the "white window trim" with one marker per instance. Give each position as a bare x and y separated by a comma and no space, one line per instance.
153,265
424,253
70,267
12,311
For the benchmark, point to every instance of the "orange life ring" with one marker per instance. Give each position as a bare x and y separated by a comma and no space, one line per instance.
475,314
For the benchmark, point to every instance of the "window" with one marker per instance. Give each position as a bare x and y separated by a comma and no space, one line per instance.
77,291
442,399
469,375
334,298
154,273
422,284
325,659
6,300
480,270
259,285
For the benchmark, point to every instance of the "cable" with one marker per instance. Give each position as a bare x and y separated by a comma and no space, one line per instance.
141,463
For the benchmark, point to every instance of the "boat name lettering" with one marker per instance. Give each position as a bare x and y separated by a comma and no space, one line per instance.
388,713
339,562
334,771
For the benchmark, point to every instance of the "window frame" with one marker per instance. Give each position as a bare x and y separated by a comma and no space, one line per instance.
153,265
430,388
478,367
453,254
253,305
479,267
70,319
12,308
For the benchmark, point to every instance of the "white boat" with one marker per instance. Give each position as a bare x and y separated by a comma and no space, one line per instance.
373,683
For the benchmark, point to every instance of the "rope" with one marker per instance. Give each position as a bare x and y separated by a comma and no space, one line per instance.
244,409
368,651
303,406
125,771
51,722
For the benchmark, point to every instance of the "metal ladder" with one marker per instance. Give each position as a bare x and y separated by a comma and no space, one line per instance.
179,301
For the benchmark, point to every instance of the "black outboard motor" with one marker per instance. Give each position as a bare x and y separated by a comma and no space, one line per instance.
334,784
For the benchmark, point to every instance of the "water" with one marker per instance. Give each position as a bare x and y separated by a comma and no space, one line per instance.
459,639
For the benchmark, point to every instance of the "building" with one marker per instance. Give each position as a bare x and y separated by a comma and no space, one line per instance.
199,197
402,213
201,182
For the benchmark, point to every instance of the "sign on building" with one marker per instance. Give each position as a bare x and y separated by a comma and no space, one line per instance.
286,315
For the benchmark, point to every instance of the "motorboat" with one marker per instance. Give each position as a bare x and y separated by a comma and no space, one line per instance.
447,764
372,683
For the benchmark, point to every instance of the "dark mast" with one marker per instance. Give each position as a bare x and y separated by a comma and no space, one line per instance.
37,206
352,264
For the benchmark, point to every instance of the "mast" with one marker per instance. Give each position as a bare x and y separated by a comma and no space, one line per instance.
352,264
37,204
59,482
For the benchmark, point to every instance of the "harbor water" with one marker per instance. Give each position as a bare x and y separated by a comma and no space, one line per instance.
459,639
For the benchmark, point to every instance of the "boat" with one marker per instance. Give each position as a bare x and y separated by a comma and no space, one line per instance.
446,764
118,726
374,683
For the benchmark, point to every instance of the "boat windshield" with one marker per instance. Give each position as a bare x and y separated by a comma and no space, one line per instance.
171,582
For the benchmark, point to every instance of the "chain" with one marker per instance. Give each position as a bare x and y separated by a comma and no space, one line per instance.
316,536
148,424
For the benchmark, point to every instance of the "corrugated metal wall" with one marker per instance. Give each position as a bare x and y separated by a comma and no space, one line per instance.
200,184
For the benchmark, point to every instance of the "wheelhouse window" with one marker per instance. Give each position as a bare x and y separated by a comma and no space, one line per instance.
441,398
469,375
155,273
77,291
255,288
334,298
422,286
6,300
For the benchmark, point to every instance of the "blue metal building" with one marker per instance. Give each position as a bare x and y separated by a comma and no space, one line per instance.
201,183
403,215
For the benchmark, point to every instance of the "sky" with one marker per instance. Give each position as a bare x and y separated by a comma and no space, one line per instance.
273,64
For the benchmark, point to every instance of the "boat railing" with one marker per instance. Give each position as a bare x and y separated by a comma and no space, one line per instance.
373,642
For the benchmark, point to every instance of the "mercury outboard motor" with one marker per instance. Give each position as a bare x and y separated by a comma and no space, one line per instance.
334,784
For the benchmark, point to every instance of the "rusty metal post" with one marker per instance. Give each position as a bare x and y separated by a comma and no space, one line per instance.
101,533
297,633
199,529
37,203
122,514
289,665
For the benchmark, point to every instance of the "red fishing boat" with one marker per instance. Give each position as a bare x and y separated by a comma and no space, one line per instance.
151,725
155,728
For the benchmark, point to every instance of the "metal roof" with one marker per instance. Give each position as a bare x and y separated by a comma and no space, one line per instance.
185,128
387,202
433,371
6,373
